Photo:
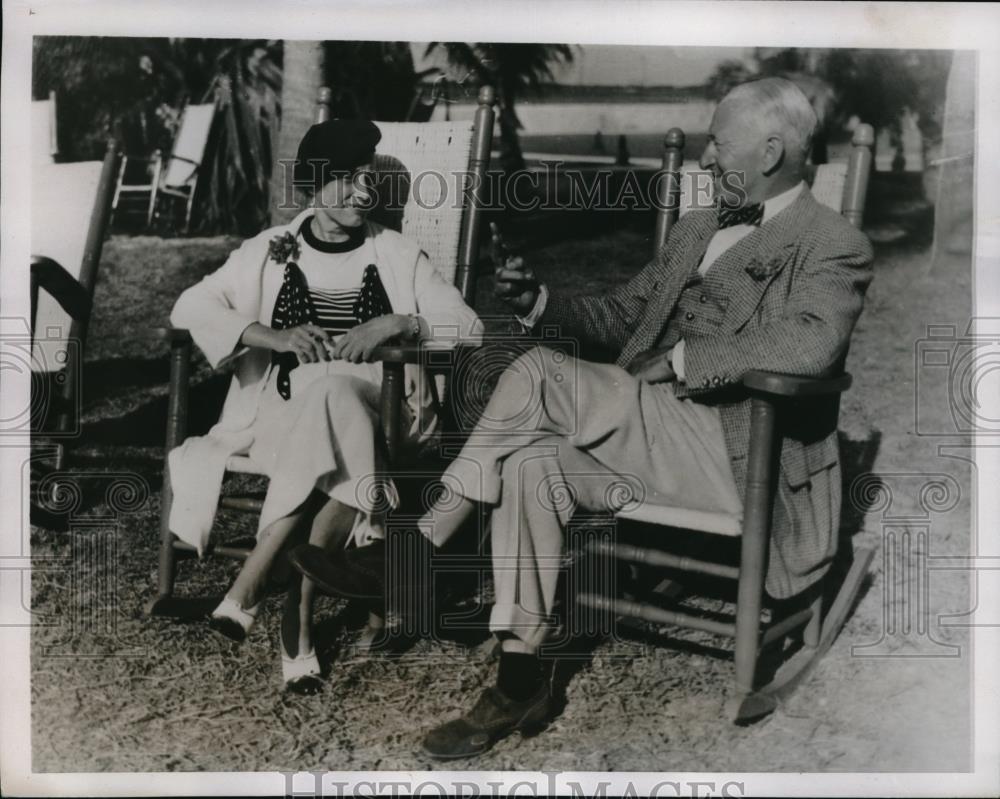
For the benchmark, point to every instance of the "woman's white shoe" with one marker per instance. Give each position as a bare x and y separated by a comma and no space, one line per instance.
233,620
301,674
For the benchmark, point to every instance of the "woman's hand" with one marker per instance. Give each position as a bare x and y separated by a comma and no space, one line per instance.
308,342
358,343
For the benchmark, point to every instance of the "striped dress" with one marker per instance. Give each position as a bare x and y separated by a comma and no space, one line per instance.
324,436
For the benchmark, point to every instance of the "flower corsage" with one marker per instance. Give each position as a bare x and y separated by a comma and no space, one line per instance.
758,270
284,248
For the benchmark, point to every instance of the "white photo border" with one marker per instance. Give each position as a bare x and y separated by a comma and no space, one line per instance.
861,25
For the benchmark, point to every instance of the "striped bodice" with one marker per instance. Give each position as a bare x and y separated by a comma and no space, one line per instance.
335,310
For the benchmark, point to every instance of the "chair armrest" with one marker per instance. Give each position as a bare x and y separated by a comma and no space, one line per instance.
179,338
61,286
431,358
394,358
793,386
171,335
399,353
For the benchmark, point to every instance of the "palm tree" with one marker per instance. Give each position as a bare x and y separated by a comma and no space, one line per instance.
874,85
370,80
303,74
245,86
513,70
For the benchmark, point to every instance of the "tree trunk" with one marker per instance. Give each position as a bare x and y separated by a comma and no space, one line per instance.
511,157
302,76
950,182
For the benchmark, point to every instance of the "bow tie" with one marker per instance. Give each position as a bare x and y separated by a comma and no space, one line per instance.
744,215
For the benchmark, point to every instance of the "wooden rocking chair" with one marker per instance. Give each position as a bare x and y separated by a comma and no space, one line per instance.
842,187
71,206
44,138
447,231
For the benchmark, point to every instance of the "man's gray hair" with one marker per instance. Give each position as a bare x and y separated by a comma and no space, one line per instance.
780,107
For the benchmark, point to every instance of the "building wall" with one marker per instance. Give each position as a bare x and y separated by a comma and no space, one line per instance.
608,119
624,65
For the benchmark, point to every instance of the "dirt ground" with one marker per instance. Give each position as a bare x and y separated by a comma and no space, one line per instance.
113,690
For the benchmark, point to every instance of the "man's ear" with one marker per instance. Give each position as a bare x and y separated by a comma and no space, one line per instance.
774,154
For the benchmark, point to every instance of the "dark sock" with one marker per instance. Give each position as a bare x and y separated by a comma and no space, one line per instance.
521,675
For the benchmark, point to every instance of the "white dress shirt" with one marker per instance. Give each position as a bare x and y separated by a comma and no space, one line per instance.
721,241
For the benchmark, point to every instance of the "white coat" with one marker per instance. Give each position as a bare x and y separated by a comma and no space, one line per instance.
244,290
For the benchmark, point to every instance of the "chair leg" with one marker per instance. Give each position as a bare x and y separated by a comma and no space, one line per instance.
190,206
177,410
750,594
58,465
59,462
746,706
34,303
167,570
118,191
52,498
374,635
150,209
811,632
155,184
391,406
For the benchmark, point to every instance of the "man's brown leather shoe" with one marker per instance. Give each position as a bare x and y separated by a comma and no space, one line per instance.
494,716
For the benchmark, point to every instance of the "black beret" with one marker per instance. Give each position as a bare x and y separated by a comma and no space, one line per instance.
334,148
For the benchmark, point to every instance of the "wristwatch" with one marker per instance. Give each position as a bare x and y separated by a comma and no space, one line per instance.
414,331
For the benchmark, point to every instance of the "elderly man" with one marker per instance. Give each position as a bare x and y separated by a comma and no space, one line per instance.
768,279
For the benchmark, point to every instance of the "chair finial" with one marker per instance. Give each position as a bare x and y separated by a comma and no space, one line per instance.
864,135
324,95
674,139
487,96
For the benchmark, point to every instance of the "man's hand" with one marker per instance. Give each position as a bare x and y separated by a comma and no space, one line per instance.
358,343
515,284
653,366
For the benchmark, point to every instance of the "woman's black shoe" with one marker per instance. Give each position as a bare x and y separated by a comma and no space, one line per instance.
307,685
228,627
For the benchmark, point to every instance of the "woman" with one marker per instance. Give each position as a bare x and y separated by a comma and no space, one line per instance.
301,307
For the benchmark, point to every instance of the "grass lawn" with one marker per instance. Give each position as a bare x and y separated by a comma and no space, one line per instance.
115,691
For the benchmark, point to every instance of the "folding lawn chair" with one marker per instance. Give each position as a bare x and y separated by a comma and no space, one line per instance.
447,231
45,142
841,187
70,209
178,176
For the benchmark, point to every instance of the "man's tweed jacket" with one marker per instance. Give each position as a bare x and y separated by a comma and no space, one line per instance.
795,287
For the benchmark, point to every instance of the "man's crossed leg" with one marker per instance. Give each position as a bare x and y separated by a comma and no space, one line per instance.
558,433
